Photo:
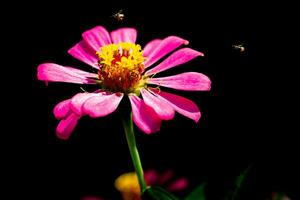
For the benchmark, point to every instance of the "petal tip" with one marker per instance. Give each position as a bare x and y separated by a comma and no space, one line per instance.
195,52
150,132
41,71
208,85
60,135
197,118
66,126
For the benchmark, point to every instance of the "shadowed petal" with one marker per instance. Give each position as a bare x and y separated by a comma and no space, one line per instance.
151,177
62,109
58,73
191,81
182,105
84,53
96,37
178,185
151,46
102,105
78,100
66,126
160,106
124,35
165,46
179,57
165,177
144,116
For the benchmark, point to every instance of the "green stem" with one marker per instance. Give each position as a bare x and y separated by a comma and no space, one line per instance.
128,127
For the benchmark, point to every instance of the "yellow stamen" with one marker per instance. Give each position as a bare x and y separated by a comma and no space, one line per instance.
121,66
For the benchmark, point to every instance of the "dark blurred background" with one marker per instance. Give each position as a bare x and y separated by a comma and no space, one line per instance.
245,117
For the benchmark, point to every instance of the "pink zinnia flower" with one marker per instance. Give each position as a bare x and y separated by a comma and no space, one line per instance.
125,69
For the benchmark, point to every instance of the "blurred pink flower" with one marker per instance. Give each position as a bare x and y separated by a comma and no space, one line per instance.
124,68
127,184
166,180
279,196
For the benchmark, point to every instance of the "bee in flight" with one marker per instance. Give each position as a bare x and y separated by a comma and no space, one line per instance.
239,47
119,15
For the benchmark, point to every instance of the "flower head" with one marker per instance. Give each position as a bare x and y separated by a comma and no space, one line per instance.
121,67
124,68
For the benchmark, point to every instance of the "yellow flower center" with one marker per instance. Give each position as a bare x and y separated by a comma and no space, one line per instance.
121,66
128,185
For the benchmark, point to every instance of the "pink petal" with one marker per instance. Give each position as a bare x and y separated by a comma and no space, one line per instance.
102,105
66,126
151,46
84,53
182,105
144,116
166,46
179,57
83,73
178,185
151,177
62,109
58,73
96,37
159,105
78,100
124,35
191,81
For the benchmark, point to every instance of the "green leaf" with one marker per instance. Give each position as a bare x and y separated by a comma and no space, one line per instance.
157,193
197,194
239,181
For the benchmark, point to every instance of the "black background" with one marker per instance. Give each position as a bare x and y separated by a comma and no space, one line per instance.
245,120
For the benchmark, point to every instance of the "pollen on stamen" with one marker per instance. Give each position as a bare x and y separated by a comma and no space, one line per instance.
121,66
